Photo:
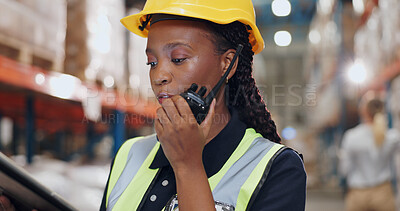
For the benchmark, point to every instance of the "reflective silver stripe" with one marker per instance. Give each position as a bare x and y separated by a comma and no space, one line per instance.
228,188
137,154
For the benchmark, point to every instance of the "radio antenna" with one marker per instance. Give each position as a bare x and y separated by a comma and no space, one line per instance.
216,88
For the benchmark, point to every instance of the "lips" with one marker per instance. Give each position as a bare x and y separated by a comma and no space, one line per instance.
162,96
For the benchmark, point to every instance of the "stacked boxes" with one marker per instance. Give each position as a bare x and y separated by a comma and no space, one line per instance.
95,43
86,33
35,30
76,51
378,41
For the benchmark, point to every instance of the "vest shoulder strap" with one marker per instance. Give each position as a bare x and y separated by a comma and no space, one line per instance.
127,163
257,177
264,177
237,180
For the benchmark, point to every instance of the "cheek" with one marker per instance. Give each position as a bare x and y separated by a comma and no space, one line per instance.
151,75
205,71
151,78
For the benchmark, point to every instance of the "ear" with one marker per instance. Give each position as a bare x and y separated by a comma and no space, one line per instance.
226,60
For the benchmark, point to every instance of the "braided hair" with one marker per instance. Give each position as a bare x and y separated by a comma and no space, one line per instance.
241,90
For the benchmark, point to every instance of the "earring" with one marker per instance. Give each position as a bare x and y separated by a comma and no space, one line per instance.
227,80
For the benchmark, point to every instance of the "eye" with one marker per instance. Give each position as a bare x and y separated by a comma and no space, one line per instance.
152,64
178,61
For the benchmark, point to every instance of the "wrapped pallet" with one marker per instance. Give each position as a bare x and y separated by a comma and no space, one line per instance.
76,52
377,42
35,30
95,41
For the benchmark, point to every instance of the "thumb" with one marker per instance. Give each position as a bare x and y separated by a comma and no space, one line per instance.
206,124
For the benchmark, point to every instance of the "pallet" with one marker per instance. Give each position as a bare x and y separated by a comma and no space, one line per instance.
33,55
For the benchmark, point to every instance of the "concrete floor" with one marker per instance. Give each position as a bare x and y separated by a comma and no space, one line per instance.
326,200
330,200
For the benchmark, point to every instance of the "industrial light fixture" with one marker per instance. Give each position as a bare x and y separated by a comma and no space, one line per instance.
357,73
282,38
281,8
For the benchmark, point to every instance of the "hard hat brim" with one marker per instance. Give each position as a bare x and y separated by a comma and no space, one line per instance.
132,23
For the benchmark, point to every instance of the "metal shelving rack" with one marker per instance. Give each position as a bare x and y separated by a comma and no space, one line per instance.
28,97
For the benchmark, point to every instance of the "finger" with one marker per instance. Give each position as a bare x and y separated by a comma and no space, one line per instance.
176,100
184,109
158,127
162,117
171,110
207,123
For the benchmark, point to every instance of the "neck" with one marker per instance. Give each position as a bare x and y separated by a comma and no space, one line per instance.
220,120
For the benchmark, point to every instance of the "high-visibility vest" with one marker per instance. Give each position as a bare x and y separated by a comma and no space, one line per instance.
235,184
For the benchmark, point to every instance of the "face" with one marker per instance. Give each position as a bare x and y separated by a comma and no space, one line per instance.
180,53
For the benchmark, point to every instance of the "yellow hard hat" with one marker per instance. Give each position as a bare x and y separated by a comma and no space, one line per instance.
217,11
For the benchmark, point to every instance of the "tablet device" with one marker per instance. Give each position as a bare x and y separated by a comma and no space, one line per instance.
24,192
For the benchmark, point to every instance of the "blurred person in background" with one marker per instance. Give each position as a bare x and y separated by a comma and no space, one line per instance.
366,158
233,159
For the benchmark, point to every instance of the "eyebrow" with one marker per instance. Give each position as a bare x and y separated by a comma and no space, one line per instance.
175,44
170,46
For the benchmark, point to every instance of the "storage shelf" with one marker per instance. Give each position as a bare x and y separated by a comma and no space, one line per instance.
387,74
41,81
51,102
367,11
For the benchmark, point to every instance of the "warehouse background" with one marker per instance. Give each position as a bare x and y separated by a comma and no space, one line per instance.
74,85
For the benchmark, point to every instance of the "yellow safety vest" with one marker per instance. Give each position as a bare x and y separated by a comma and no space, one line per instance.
131,176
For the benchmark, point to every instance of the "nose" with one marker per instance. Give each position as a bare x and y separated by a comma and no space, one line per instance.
160,76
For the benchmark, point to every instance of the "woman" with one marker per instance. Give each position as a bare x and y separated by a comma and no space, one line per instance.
232,160
366,158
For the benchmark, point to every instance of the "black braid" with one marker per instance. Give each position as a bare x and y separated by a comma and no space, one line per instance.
243,93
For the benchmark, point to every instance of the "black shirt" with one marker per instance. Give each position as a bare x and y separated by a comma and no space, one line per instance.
284,188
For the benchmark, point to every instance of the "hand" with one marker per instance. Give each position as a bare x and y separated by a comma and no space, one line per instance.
5,204
181,137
